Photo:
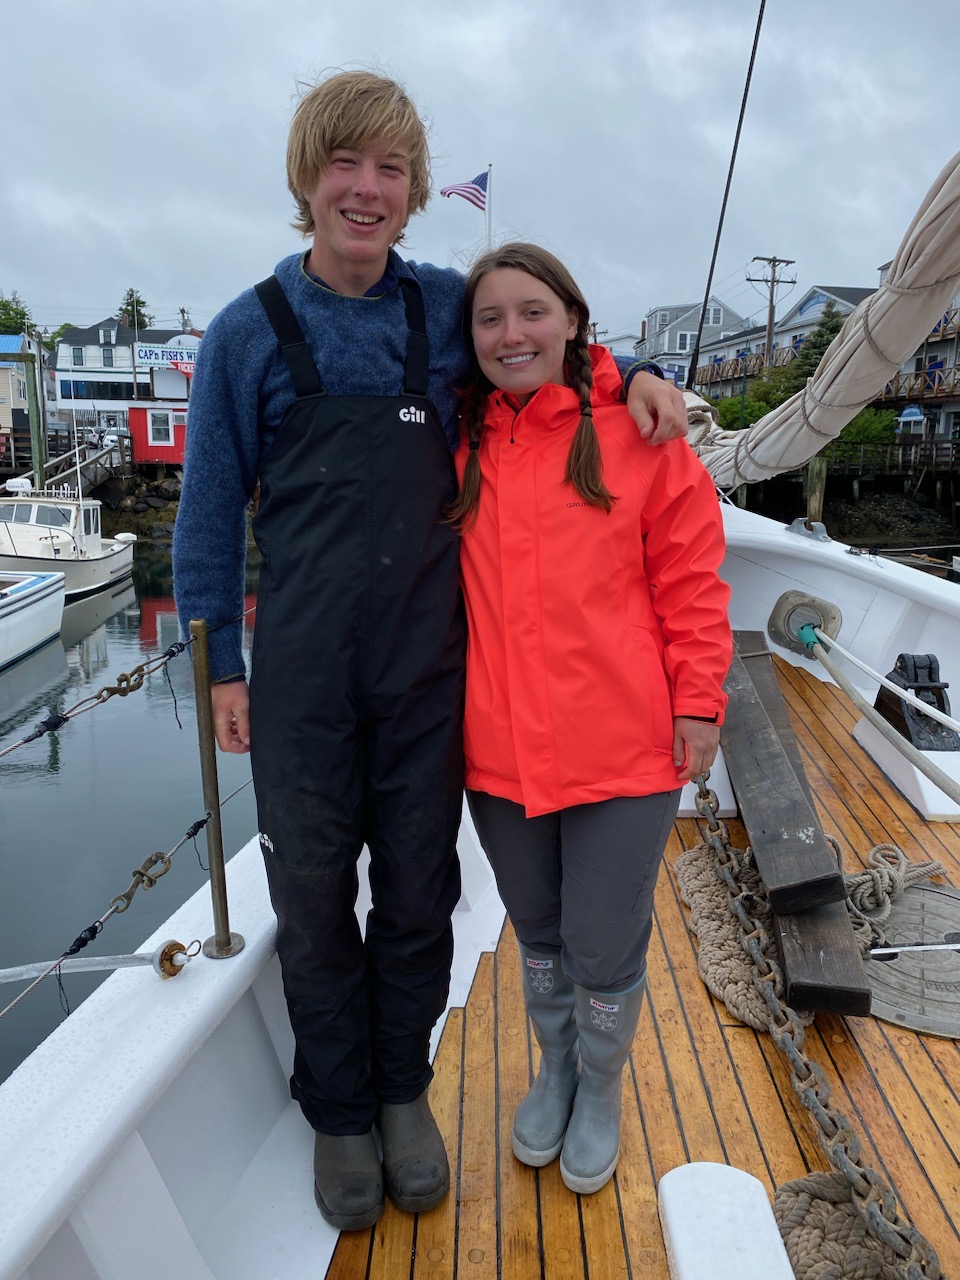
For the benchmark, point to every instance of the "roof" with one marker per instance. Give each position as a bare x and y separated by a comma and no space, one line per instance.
125,334
12,344
853,296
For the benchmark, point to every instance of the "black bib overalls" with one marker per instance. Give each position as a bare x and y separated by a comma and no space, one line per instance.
356,699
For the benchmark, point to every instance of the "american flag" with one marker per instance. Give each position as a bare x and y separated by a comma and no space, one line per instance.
475,191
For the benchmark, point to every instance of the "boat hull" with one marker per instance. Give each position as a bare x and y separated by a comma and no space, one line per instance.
31,608
82,577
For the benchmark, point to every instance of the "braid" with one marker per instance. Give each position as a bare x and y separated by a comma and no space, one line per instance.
462,512
584,463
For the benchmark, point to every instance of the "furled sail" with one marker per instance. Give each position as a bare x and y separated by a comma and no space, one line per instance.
883,332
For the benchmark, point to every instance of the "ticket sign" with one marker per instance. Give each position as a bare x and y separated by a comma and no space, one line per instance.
182,359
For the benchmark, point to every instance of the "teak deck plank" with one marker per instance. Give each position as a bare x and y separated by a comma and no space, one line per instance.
519,1200
699,1084
435,1230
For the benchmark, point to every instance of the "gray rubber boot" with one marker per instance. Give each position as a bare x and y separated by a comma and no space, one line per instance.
415,1167
606,1025
542,1116
347,1180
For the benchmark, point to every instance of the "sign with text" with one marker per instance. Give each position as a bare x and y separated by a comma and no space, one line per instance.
183,359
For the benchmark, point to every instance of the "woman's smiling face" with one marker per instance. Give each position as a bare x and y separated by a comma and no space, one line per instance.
520,330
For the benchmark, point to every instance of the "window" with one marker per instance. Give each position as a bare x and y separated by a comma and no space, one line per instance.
107,353
18,512
108,335
955,426
22,388
55,517
685,341
91,521
714,315
78,357
161,432
663,319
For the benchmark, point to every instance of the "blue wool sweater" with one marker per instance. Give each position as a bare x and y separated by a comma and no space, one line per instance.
241,391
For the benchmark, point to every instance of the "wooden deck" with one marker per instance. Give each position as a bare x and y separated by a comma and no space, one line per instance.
700,1085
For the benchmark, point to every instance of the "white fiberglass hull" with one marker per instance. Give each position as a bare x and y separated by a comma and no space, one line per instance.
31,607
83,576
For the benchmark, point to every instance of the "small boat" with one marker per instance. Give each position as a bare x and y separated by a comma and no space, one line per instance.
44,529
31,608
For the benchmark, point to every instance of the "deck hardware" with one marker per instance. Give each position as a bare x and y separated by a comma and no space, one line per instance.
890,953
171,957
919,673
815,530
797,609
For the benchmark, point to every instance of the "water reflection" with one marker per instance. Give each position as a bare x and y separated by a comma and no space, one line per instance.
82,806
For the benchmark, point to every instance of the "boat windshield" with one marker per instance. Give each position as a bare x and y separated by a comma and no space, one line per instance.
16,512
56,517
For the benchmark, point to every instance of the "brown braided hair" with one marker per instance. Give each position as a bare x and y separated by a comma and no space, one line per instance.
584,463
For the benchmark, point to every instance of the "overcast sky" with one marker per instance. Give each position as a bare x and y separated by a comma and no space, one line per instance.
143,144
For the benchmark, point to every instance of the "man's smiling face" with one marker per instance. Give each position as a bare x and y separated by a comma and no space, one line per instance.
360,205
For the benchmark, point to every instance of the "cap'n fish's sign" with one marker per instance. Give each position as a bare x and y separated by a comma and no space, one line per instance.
182,359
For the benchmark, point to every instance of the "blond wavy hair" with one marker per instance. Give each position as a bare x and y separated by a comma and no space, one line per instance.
352,109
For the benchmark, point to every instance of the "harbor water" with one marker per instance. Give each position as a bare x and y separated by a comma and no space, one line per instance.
82,807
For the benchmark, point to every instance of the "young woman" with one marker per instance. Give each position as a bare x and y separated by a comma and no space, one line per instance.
598,642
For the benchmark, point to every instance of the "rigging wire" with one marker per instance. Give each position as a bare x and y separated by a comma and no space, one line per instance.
694,355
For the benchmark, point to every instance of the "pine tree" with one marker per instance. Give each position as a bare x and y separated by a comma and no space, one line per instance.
814,345
14,314
133,311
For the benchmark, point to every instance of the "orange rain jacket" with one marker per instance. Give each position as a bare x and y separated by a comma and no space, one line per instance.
588,632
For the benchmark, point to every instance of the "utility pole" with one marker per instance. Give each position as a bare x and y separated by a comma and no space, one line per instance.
595,333
773,281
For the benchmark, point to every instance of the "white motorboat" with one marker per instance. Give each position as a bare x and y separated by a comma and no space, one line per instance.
53,529
31,609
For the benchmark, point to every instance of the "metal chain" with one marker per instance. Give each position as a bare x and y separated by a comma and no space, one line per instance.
869,1192
127,682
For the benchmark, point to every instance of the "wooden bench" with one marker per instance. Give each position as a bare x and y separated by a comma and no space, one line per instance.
822,964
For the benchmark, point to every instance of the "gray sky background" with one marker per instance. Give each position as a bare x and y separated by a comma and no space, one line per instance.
144,144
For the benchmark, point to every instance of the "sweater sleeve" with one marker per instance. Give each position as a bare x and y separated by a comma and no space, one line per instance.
683,541
220,469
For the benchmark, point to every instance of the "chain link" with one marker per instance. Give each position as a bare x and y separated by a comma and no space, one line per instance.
869,1192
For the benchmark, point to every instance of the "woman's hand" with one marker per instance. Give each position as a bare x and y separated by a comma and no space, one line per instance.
695,746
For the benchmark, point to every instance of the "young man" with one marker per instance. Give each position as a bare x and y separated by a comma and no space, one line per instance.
332,386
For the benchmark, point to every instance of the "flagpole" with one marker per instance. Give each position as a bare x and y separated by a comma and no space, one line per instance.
489,207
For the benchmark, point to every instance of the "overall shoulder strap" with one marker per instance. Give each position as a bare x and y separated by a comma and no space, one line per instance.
417,368
296,352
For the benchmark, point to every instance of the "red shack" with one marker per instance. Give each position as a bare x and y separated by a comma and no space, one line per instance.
158,432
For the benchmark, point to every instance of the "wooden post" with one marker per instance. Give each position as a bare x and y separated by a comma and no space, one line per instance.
816,487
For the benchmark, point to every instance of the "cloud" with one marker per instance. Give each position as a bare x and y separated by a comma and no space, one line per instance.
153,140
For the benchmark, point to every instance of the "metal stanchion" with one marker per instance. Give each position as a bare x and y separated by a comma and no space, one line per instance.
223,943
